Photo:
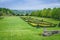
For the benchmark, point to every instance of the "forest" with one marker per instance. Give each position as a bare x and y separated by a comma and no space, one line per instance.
46,12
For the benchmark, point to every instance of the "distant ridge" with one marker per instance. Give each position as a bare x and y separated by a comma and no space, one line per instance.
22,11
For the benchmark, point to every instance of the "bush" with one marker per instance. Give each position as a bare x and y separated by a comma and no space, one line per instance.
59,24
1,17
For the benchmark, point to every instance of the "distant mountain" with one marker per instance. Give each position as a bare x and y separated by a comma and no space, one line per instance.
22,11
7,12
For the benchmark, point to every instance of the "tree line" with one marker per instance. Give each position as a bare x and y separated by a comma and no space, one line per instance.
47,12
5,12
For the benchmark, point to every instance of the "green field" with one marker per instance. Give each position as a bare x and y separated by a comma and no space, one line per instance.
14,28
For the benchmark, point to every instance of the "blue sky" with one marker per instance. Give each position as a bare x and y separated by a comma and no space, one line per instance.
29,4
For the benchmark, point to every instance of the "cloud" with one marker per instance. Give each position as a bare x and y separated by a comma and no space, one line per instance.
29,4
35,7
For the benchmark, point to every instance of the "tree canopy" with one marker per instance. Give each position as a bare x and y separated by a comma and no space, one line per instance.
47,12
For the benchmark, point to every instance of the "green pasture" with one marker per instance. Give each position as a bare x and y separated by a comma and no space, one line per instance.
15,28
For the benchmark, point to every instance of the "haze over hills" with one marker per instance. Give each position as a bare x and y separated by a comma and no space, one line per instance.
22,11
6,11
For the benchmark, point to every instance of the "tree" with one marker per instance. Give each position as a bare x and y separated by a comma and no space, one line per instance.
33,13
49,13
59,24
5,12
18,15
26,14
44,12
56,13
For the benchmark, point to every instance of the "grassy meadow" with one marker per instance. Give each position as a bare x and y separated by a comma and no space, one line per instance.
15,28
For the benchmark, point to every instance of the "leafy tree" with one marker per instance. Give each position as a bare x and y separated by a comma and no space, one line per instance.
26,14
18,15
44,12
33,13
50,13
59,24
5,12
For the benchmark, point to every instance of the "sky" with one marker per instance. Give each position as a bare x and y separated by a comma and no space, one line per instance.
29,4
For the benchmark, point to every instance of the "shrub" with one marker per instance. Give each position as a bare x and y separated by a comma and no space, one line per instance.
1,17
59,24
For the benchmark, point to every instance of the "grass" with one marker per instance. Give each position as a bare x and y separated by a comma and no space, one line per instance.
14,28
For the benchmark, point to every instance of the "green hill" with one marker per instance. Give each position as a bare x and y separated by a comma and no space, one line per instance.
5,12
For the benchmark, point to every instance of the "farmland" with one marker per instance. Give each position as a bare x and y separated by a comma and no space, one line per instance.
15,28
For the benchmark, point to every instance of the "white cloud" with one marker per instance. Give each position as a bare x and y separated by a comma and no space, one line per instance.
38,6
29,4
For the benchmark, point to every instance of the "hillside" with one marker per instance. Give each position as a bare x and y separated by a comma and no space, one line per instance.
5,12
22,11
